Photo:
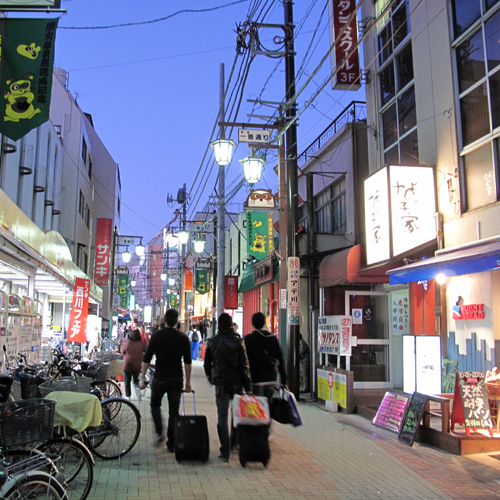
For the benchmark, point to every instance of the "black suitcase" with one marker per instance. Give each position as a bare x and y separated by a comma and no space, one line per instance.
253,443
191,441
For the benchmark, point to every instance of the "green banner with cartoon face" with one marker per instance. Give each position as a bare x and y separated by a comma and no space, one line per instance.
122,289
259,234
26,66
202,281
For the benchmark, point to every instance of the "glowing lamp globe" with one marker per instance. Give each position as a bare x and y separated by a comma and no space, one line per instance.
223,151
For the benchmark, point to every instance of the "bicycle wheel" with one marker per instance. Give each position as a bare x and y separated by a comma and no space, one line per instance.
110,389
76,464
34,485
117,434
21,459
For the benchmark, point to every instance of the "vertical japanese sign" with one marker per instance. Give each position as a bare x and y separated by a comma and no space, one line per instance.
122,289
293,287
230,292
347,76
400,309
260,241
202,283
102,251
412,207
188,279
156,268
77,328
26,66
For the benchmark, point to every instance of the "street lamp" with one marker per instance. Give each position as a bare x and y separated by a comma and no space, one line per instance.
163,276
126,256
199,245
183,237
223,151
252,166
133,282
171,281
139,249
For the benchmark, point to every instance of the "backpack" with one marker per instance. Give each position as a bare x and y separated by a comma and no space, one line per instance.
195,337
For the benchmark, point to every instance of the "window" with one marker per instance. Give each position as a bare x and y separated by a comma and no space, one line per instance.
84,151
397,94
87,215
330,209
81,204
477,59
90,168
82,260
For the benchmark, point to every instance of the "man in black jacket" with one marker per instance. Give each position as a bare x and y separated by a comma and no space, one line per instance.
226,366
265,357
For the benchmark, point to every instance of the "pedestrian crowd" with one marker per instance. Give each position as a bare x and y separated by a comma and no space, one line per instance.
252,365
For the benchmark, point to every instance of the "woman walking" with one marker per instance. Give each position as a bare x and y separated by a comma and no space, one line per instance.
133,351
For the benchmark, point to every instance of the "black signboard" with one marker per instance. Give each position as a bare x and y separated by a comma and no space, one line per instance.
391,411
412,418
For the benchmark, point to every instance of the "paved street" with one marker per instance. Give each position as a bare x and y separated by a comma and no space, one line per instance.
332,456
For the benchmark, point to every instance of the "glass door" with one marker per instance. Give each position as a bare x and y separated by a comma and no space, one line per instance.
370,359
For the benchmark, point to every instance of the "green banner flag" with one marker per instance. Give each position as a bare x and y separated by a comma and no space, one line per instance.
260,241
202,281
122,289
26,66
173,301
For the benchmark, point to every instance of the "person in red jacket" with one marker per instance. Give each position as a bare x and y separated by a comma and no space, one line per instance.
133,351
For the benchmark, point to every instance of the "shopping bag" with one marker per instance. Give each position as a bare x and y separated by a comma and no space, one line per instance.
250,410
280,409
295,409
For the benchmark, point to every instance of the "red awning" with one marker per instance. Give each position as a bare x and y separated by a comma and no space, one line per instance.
345,267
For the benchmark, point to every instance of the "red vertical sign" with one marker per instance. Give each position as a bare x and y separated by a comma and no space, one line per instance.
102,252
77,329
188,283
347,76
230,292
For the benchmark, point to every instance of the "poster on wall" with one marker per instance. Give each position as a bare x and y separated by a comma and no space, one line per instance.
24,339
400,312
36,339
332,386
11,336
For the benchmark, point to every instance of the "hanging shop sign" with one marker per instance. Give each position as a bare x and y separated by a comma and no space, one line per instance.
468,311
347,75
26,66
200,264
102,251
202,281
399,211
263,270
293,290
231,292
77,328
122,289
188,279
261,136
335,335
260,241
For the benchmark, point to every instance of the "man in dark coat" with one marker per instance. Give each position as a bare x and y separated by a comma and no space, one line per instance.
226,366
265,358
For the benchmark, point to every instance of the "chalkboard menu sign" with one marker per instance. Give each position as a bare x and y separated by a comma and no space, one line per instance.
412,418
391,411
470,402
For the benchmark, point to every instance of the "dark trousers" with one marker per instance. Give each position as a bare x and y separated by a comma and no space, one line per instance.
173,388
127,378
223,400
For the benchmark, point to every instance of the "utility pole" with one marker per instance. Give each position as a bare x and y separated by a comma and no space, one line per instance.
221,219
293,338
181,198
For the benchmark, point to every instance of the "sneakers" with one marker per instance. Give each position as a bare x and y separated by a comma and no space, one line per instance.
138,393
159,440
224,458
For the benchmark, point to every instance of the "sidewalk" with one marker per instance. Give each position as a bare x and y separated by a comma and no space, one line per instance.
331,456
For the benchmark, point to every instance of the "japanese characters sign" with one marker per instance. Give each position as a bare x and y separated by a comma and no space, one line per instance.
122,289
334,334
26,66
77,328
102,251
202,281
470,402
347,76
245,135
259,234
293,287
230,292
400,312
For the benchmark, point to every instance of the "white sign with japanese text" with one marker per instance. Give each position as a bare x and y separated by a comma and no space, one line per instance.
293,287
334,334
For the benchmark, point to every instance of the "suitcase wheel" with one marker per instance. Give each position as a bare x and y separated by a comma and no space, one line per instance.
265,463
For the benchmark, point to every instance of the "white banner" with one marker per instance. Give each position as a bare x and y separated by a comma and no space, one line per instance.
335,334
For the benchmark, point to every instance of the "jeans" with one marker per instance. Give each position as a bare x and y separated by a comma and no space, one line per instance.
127,378
223,400
194,350
173,388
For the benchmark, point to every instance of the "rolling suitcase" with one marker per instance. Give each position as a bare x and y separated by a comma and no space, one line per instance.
191,441
253,443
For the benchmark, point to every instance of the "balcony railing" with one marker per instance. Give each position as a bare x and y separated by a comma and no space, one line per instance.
354,112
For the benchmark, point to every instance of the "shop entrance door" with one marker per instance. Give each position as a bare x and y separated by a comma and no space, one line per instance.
371,357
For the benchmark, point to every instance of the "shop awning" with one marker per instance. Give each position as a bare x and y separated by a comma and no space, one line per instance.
248,279
344,267
455,261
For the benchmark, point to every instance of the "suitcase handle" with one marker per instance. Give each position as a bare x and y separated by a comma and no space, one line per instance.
194,403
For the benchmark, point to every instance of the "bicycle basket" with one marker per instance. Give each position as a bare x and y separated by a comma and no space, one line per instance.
26,421
80,384
98,372
29,385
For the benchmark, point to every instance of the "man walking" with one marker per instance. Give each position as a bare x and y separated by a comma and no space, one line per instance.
194,337
171,346
226,366
265,357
